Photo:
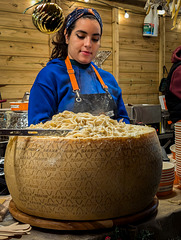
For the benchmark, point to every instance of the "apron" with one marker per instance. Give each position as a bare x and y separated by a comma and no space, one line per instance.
96,104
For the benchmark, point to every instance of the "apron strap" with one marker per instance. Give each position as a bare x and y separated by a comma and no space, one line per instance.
73,78
71,74
100,79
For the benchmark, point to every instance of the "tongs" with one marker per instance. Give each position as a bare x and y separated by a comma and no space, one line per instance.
34,132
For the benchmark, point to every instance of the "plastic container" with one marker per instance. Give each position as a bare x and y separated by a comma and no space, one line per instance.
155,22
19,106
148,26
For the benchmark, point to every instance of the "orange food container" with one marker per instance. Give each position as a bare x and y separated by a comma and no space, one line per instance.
19,106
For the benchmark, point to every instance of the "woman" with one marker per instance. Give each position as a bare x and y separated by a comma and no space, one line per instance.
71,81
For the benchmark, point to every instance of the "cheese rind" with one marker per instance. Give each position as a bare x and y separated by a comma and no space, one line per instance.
83,178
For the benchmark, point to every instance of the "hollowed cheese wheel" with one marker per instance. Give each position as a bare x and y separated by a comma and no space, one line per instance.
83,179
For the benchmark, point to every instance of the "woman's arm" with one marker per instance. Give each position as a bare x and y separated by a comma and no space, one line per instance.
43,99
122,113
42,105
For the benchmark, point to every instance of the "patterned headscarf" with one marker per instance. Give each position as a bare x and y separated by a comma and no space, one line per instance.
79,12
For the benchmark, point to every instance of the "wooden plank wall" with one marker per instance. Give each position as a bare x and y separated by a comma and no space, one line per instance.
138,61
24,51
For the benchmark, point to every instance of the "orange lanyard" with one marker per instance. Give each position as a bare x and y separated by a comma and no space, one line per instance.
73,78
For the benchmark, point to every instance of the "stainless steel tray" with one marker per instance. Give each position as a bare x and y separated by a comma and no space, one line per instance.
34,132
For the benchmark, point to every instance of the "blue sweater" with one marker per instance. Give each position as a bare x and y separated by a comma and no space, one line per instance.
52,92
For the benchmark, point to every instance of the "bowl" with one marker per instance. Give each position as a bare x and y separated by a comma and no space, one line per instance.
172,149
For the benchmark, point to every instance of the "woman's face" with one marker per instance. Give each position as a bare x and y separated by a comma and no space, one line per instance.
84,40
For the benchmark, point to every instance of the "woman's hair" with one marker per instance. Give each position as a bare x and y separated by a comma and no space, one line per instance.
60,46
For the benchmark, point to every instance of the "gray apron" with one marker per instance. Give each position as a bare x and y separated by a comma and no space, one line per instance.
96,104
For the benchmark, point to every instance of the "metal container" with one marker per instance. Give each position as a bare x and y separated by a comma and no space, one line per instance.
144,113
12,119
166,125
3,145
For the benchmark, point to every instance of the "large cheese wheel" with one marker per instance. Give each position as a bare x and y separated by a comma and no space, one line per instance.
83,178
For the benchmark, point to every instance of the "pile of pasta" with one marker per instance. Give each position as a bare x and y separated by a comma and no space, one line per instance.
84,125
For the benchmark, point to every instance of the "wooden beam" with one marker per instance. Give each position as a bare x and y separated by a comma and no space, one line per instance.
138,3
161,47
115,47
132,5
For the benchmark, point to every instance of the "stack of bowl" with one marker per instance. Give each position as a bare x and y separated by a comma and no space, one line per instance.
167,179
178,150
173,160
